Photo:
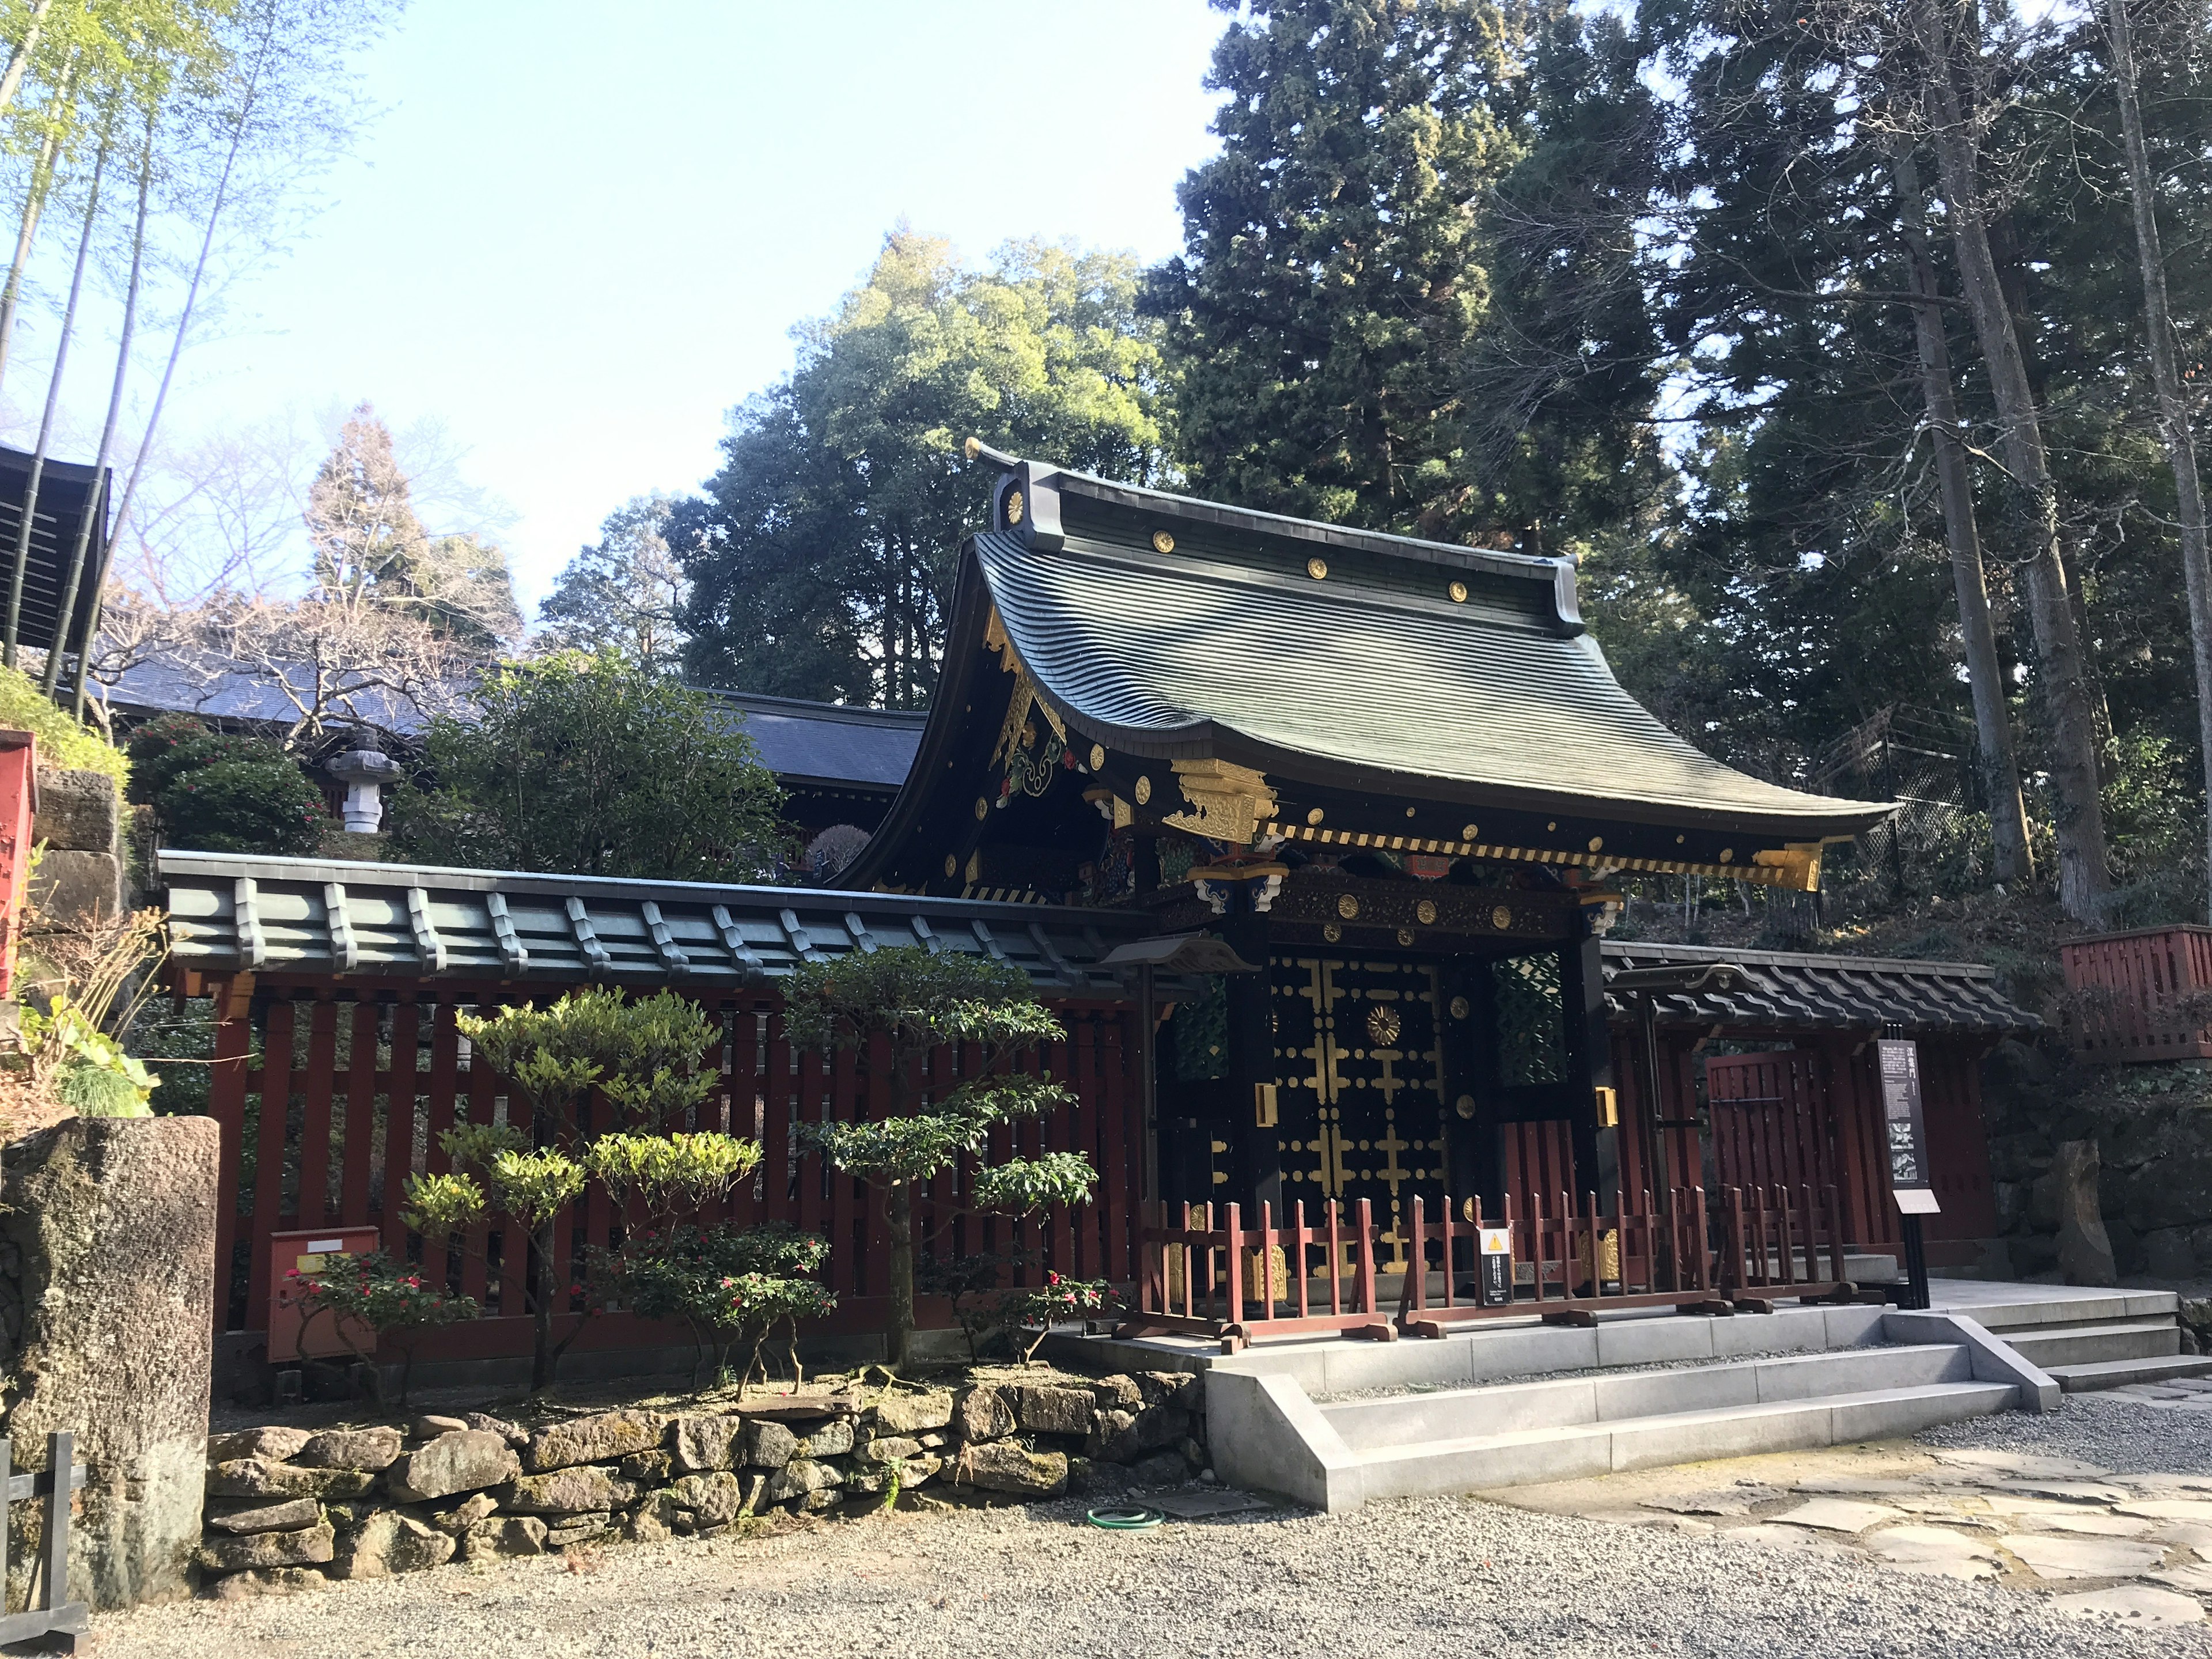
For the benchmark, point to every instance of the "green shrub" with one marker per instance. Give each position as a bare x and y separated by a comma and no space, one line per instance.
166,749
62,741
257,805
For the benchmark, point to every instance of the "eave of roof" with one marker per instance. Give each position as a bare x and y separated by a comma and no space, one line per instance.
1805,991
232,913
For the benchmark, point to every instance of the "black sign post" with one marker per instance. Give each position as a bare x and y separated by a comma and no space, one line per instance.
1911,1180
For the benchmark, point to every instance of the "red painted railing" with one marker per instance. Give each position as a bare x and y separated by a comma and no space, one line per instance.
1209,1274
2140,995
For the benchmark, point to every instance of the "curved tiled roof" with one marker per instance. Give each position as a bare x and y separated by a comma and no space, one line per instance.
1390,658
1805,991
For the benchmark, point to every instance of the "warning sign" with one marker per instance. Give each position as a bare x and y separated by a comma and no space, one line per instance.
1494,1285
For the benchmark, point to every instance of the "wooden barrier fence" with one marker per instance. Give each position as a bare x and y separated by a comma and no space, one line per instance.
1218,1278
52,1614
327,1106
2140,995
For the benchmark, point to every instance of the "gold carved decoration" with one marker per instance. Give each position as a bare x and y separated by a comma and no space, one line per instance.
1426,913
1314,815
1318,569
1597,843
1468,831
1347,906
1097,756
1382,1026
982,809
1144,791
1460,1007
1727,855
1458,591
1227,803
1465,1107
1162,542
1501,916
1405,936
1013,507
951,865
1331,932
1798,865
1017,731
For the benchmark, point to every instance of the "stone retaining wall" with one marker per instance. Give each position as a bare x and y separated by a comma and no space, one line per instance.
289,1508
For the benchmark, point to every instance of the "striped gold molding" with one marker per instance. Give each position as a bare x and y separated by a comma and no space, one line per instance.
1796,867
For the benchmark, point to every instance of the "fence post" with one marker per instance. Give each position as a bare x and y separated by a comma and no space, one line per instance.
61,1458
1363,1220
1236,1237
1415,1294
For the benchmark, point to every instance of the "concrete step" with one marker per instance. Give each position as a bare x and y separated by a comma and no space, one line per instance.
1581,1451
2090,1376
1414,1419
2050,1345
2009,1307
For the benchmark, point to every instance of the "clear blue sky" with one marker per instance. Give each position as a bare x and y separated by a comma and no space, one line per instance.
580,232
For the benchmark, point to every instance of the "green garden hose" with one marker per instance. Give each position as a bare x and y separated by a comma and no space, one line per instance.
1138,1520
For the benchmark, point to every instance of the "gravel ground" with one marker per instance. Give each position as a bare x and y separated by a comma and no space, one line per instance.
1448,1574
2117,1435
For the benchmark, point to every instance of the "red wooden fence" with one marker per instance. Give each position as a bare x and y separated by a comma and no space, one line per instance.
327,1105
2137,995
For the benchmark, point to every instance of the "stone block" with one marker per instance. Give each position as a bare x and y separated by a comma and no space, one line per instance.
1170,1388
1119,1392
655,1519
350,1448
513,1433
78,811
832,1439
466,1460
511,1534
769,1445
577,1530
581,1486
265,1580
277,1445
797,1478
713,1499
984,1413
69,890
458,1519
2085,1249
430,1425
599,1438
909,1411
388,1543
286,1516
648,1468
112,1223
1151,1429
257,1477
2169,1253
1006,1466
700,1445
891,1448
1054,1411
299,1548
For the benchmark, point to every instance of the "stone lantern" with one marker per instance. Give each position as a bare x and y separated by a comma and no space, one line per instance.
364,772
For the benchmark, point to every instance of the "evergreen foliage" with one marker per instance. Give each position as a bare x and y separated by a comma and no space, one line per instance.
593,765
224,792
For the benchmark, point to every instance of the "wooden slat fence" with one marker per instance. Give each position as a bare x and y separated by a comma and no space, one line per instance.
2139,996
327,1104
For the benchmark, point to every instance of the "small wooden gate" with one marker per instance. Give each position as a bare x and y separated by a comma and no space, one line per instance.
1770,1121
54,1614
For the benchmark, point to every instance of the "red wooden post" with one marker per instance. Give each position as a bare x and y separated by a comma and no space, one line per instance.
234,1040
1335,1261
276,1079
1447,1224
1234,1232
1835,1241
360,1116
1363,1230
399,1110
18,802
1300,1238
314,1197
1416,1295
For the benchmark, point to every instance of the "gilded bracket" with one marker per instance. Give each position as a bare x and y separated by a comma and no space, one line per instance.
1227,802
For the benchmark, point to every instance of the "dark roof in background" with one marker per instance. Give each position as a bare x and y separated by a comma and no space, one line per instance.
64,490
217,689
830,743
1809,991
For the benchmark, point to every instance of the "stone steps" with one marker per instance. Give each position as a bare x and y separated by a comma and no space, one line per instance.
1266,1433
2089,1376
2051,1346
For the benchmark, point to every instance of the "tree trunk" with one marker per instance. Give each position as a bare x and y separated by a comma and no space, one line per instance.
97,496
542,1356
242,118
2016,860
2084,871
34,203
898,1217
20,60
2172,412
9,631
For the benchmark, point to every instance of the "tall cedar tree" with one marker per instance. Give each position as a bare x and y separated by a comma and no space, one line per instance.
822,558
1330,282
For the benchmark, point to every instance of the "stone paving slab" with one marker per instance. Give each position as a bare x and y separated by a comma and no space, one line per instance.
2053,1557
2151,1606
1934,1549
1839,1515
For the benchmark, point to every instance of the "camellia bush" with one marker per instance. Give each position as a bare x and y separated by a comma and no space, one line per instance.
219,792
375,1293
916,1001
